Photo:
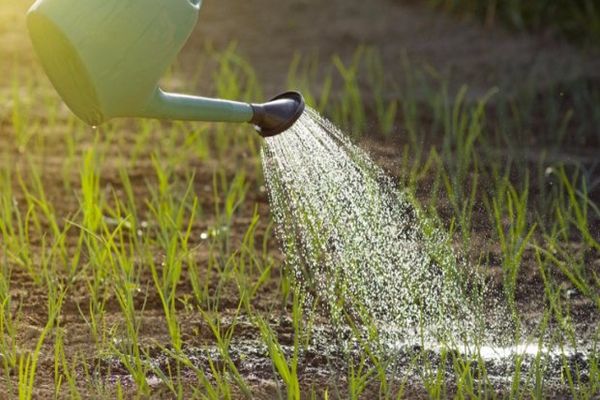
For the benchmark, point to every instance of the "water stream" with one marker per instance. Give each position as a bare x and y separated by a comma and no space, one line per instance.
356,242
358,246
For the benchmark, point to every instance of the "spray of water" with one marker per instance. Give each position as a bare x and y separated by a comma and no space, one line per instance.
359,246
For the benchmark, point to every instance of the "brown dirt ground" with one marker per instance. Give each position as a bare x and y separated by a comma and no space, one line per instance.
268,33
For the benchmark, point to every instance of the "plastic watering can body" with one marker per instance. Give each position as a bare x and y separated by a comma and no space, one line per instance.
105,58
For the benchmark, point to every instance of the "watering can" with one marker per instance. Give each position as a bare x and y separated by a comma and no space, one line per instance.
105,58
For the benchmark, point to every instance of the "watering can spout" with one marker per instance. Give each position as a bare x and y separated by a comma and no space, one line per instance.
269,119
171,106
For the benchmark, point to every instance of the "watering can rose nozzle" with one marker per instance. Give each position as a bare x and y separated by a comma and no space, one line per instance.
278,114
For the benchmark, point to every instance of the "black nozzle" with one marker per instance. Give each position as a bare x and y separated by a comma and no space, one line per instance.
278,114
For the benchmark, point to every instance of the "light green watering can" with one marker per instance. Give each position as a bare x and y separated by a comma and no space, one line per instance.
105,58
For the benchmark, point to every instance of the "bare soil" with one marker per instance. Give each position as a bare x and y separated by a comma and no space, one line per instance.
270,32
